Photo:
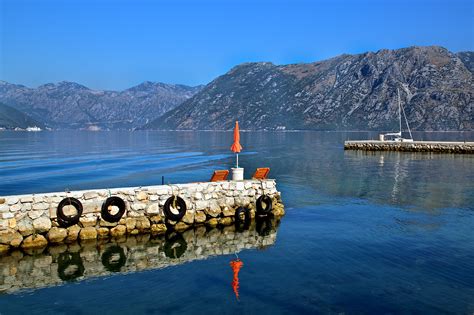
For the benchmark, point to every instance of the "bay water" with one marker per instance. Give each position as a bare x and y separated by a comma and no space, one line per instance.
364,232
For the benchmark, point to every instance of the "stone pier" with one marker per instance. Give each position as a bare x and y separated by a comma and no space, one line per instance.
415,146
30,221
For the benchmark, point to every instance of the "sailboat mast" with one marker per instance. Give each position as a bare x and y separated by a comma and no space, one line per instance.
399,112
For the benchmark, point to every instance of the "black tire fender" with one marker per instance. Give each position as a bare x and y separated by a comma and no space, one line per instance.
113,201
66,220
242,224
264,199
181,206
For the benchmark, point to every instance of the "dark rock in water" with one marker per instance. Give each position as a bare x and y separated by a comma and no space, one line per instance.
74,106
345,92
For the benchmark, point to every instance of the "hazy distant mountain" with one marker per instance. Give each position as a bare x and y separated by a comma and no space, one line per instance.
10,118
71,105
345,92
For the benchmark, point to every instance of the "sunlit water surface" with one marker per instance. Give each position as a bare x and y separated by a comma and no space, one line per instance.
382,232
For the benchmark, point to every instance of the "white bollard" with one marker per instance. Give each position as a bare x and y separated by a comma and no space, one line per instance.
237,173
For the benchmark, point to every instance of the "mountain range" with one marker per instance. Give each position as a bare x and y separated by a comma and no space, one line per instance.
69,105
347,92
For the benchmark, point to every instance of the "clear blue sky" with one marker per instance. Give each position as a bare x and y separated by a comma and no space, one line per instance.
118,44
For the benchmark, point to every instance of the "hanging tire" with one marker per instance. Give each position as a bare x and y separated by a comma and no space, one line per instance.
242,224
180,205
261,209
114,258
109,202
67,220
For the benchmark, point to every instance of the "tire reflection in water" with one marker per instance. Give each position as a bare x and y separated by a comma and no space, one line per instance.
70,266
114,258
175,245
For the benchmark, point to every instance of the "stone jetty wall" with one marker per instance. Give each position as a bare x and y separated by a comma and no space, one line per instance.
415,146
29,221
77,261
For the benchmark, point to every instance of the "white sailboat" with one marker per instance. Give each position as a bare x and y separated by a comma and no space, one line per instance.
397,136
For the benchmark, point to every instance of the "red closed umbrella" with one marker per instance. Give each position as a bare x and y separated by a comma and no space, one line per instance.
236,147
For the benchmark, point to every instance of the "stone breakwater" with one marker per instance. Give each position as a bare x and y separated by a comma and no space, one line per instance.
30,221
415,146
77,261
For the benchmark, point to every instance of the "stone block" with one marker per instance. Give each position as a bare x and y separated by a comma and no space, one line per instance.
90,195
42,224
25,226
158,229
15,207
228,211
152,209
57,235
104,223
181,226
88,233
34,241
40,206
10,237
12,200
73,233
200,217
130,223
4,249
7,215
118,231
138,206
214,209
102,232
35,214
88,221
188,218
225,221
38,199
142,224
212,222
202,205
142,196
26,207
156,219
12,223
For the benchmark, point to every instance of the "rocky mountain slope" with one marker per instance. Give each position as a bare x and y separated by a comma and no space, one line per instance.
10,118
346,92
71,105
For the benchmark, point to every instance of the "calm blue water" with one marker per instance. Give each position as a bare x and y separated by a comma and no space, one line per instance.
374,233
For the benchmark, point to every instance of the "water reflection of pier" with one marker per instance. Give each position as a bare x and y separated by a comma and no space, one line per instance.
75,262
